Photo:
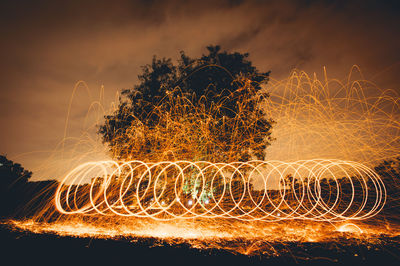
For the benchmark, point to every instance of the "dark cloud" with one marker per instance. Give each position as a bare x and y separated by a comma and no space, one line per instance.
47,46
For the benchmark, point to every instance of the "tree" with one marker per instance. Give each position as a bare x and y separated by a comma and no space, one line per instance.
200,109
389,171
13,179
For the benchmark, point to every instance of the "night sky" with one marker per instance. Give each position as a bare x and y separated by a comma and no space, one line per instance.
47,46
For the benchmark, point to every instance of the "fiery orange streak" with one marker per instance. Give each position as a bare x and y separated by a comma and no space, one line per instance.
262,202
150,201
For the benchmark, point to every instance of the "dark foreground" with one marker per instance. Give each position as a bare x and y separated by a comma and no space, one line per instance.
24,248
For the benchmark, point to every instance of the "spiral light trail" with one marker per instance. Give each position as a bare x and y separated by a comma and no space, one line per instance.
180,194
318,190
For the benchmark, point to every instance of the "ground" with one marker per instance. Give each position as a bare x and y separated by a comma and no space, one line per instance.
26,248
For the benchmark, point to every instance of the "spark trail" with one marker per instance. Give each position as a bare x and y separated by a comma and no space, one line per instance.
244,207
318,190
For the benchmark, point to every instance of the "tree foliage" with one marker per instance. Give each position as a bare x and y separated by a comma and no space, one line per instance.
207,108
389,171
12,174
13,178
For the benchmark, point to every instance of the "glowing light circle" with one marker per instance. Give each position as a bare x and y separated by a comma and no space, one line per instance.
319,190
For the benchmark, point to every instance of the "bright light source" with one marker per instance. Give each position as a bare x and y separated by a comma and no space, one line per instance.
190,202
